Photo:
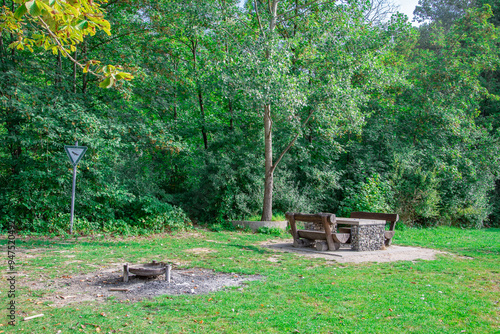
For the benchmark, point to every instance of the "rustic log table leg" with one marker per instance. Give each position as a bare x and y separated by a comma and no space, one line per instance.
125,272
321,246
167,273
293,227
328,232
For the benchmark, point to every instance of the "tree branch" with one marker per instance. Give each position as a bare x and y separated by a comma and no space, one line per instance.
291,142
300,7
61,48
258,17
109,3
115,37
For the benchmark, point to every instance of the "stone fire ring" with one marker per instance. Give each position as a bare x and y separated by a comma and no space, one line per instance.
147,270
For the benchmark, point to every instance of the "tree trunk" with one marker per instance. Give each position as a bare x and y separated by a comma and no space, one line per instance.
176,66
202,110
2,57
194,45
58,70
267,211
84,77
74,73
230,106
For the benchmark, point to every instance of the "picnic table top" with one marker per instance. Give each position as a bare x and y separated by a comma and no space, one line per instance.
359,221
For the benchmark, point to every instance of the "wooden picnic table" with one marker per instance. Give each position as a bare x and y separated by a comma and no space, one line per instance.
364,232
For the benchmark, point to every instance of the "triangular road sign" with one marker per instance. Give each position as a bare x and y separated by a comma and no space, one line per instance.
75,153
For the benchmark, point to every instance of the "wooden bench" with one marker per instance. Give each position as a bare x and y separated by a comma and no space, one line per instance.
304,238
388,217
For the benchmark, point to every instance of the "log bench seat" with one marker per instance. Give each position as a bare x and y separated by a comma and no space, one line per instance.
323,240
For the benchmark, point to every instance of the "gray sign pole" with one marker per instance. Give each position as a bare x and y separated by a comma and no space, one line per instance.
75,154
73,198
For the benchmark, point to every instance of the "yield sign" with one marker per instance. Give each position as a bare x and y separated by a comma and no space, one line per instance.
75,153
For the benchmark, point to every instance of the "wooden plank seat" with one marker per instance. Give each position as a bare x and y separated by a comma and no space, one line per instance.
346,230
388,217
323,240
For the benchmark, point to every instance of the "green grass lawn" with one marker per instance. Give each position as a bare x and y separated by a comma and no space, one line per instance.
456,293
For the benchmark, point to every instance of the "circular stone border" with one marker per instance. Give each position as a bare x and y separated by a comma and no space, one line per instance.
254,225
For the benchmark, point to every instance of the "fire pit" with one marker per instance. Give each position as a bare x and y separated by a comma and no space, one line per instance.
152,269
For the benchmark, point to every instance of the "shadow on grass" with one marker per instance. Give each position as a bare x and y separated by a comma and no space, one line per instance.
252,249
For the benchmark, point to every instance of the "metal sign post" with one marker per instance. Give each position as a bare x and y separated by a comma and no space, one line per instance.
75,154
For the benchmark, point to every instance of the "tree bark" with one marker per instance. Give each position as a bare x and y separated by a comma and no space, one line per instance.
2,57
74,73
59,70
273,10
230,106
194,45
176,66
84,77
267,211
202,110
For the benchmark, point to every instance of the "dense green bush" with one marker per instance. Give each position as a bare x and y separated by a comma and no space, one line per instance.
398,122
373,195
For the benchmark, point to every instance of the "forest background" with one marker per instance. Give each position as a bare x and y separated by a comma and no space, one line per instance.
245,108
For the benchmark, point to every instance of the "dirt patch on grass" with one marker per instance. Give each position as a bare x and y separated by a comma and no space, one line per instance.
200,250
98,286
345,254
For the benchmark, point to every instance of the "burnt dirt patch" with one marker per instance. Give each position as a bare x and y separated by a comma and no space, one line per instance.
101,285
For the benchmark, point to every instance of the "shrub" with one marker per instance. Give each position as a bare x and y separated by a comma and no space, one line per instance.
373,195
270,231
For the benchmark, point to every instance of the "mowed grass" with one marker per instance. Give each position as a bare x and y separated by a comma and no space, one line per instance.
458,292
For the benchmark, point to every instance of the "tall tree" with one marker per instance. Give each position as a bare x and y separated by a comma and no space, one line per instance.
442,12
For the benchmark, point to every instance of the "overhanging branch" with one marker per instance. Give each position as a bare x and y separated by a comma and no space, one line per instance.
62,49
291,142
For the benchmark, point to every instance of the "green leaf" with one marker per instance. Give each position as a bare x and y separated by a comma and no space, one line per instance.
107,83
20,11
83,24
124,76
52,2
33,8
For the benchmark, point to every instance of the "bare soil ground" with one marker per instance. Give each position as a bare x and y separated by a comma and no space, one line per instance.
345,254
99,285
